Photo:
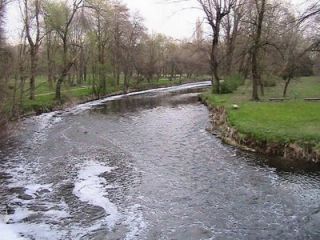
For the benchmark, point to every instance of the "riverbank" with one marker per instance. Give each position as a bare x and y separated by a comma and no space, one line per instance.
289,129
10,126
147,152
45,96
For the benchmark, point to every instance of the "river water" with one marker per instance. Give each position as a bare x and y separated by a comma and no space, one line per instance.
143,166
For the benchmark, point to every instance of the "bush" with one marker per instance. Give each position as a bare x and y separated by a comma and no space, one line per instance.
270,83
231,83
270,80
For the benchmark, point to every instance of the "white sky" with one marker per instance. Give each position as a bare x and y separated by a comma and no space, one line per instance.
175,20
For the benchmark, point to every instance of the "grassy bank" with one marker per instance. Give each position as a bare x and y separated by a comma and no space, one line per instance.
45,96
291,121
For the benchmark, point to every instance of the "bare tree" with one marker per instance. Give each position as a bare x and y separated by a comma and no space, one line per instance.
231,25
62,27
260,6
215,11
50,43
312,10
120,16
3,63
135,30
32,27
101,21
2,10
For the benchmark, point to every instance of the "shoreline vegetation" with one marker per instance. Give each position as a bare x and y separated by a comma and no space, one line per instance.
289,128
45,97
45,101
76,51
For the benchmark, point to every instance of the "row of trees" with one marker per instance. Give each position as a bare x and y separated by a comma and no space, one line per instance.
4,60
99,42
254,37
96,42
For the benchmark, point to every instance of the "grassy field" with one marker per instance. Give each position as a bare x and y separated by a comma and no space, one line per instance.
289,121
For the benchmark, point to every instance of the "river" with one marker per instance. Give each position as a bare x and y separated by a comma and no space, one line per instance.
143,166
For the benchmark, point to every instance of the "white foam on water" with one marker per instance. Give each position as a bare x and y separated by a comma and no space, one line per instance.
33,189
16,221
38,231
46,120
135,223
7,233
43,231
58,214
43,123
86,106
19,215
90,187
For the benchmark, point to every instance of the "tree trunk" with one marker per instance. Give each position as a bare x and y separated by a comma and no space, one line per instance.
286,87
172,74
21,86
126,83
58,88
214,65
63,75
256,77
14,110
66,68
118,76
229,59
261,87
49,61
102,74
33,69
85,74
230,50
214,53
81,67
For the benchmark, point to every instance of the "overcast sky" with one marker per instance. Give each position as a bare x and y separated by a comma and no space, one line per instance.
175,20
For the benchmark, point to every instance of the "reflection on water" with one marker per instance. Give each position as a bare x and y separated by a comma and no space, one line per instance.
143,167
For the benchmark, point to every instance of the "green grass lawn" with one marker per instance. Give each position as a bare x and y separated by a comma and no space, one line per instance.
293,120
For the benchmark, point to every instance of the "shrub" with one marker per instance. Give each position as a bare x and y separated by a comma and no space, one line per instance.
270,80
231,83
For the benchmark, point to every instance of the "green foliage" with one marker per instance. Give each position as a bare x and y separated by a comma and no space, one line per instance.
231,83
57,14
305,66
270,80
43,103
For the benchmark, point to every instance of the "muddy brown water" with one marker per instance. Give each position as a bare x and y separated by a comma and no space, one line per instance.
143,166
